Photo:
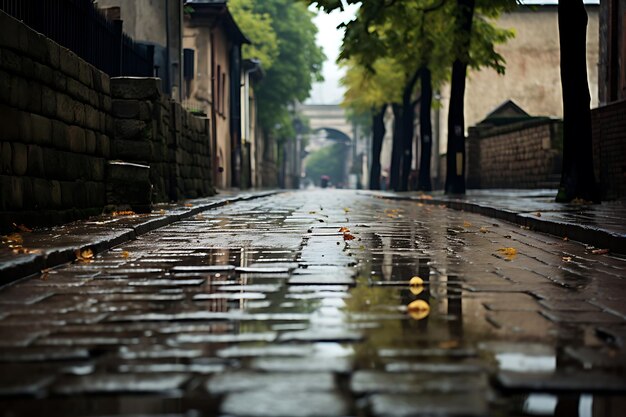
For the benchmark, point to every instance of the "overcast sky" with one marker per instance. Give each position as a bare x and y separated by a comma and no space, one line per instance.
329,38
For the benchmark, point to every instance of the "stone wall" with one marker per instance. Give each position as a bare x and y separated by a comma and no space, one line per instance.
54,129
62,121
522,155
153,130
609,149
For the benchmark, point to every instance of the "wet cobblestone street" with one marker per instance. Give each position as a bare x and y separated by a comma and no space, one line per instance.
321,303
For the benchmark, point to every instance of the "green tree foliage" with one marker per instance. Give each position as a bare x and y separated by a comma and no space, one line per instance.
258,27
330,161
420,35
297,65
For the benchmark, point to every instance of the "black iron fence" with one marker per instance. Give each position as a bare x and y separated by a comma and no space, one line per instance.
79,26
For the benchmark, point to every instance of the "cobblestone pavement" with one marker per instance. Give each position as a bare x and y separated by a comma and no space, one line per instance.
268,307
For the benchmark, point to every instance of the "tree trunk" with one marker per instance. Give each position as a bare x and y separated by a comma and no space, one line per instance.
408,117
378,134
426,131
577,177
397,148
455,158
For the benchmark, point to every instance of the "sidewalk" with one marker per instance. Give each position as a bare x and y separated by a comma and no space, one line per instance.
26,252
600,225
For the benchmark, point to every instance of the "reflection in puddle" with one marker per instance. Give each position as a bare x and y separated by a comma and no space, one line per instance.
519,362
565,405
540,404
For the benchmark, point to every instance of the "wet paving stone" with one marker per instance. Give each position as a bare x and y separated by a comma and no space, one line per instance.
261,308
120,383
284,404
397,405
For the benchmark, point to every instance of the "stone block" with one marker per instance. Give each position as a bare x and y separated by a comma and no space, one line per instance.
136,88
35,161
77,90
84,73
132,150
56,197
53,55
28,68
103,146
97,169
76,137
10,61
41,129
6,156
20,158
103,117
68,62
43,73
60,138
92,117
9,129
48,102
90,142
54,164
79,113
106,103
126,109
67,194
130,129
11,192
59,81
65,108
20,93
6,84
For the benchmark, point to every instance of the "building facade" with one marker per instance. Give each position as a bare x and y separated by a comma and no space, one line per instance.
215,90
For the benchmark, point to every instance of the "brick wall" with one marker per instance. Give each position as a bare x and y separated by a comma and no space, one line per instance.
54,129
521,155
609,149
62,121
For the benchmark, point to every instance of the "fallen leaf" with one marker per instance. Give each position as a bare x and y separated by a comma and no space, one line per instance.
347,236
344,230
449,344
188,205
123,213
22,228
14,238
346,209
484,230
567,259
538,214
600,251
508,251
418,309
162,211
125,254
85,255
312,212
467,224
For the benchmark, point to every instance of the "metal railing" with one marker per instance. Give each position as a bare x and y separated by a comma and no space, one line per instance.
79,26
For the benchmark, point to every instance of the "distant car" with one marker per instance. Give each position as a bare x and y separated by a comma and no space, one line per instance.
324,180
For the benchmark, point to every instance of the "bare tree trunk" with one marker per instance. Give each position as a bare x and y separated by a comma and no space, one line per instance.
455,158
577,177
426,131
378,134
